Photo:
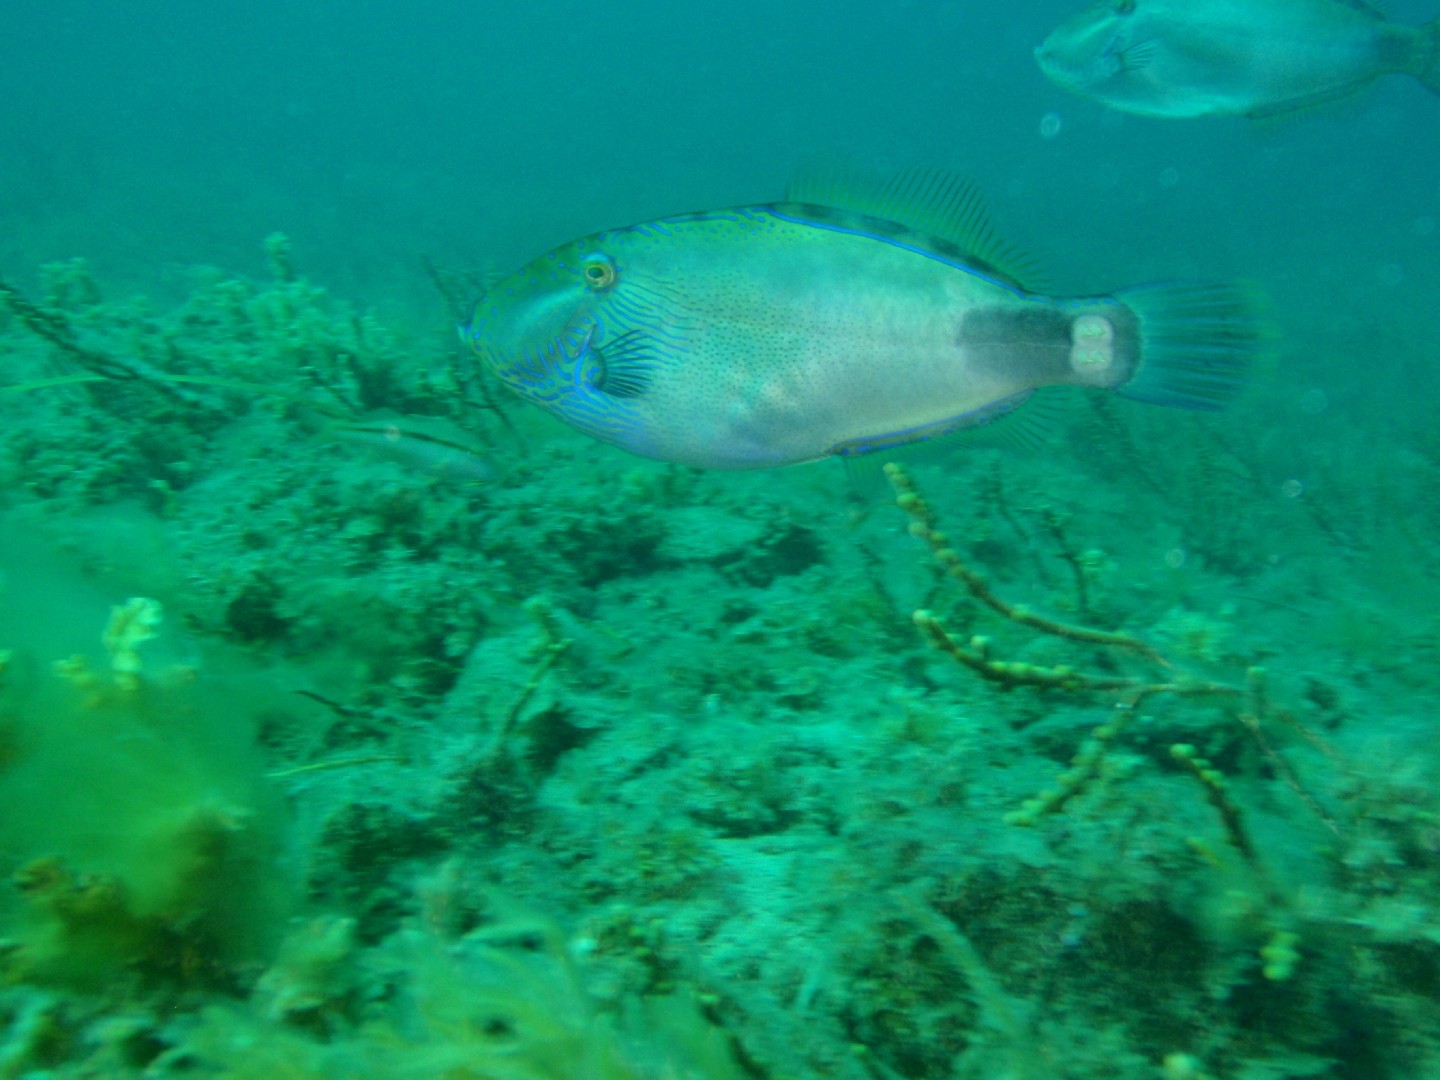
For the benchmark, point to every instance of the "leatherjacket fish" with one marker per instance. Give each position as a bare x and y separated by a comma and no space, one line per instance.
1256,58
850,319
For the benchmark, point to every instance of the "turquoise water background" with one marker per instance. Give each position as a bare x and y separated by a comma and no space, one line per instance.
152,135
601,768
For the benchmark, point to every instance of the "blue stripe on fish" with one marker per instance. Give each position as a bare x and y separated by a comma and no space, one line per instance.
928,249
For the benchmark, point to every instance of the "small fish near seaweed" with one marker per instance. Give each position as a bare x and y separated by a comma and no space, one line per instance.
1254,58
853,318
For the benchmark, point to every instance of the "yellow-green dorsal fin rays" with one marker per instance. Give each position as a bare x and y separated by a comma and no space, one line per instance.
944,212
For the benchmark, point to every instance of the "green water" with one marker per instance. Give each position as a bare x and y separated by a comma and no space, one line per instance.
536,760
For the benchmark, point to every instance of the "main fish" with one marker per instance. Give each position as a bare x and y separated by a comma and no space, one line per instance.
1255,58
852,318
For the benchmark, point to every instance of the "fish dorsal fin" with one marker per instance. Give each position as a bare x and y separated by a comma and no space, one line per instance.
938,206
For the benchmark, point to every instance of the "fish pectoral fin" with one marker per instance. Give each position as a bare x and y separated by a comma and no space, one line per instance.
1137,57
626,365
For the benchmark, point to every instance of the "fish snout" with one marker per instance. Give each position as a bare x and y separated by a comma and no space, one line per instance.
1051,59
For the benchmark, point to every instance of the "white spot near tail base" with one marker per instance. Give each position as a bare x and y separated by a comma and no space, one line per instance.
1092,344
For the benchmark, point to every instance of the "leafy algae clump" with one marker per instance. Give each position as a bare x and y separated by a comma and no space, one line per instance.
138,835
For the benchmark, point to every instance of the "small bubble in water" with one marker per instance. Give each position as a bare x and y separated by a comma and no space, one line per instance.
1292,489
1392,274
1314,402
1050,125
1424,226
1175,558
1169,177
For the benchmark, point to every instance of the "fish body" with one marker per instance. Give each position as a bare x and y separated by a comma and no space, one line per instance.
1255,58
427,444
840,323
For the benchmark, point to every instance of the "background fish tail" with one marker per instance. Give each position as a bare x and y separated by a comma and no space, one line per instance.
1199,342
1427,68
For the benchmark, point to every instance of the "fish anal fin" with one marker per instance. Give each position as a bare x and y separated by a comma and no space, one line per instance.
965,425
1294,108
866,476
1030,429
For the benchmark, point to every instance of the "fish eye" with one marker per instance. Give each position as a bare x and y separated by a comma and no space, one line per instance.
598,272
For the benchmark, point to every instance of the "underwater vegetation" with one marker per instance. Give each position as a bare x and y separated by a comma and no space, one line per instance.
142,843
326,752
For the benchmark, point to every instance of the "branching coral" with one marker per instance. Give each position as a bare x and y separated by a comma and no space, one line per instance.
1129,691
1249,702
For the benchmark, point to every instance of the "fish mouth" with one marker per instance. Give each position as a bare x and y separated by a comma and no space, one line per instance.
1057,72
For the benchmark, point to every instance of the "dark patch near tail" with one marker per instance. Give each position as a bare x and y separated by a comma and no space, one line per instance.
1035,343
1029,344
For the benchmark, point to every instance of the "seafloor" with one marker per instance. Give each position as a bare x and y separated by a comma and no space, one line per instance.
328,750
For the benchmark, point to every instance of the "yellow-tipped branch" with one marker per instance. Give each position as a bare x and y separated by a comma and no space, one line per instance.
922,526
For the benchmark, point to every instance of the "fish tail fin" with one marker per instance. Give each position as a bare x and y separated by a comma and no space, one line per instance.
1198,343
1427,67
